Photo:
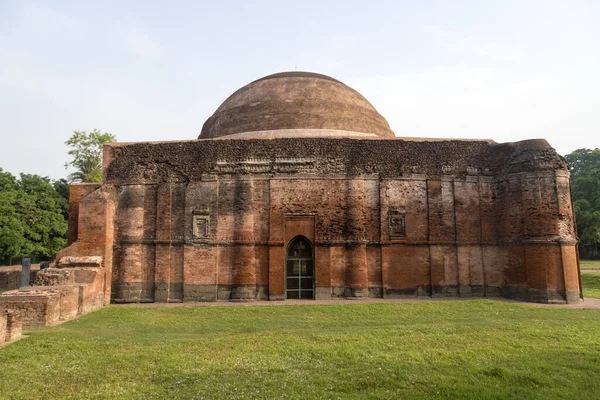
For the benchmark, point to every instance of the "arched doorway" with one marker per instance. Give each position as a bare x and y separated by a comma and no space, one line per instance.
300,271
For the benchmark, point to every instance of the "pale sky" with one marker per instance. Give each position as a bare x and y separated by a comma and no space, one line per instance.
156,70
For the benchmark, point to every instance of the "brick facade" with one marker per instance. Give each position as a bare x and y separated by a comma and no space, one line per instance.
211,220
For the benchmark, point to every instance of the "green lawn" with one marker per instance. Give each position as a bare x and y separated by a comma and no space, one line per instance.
591,284
479,349
589,264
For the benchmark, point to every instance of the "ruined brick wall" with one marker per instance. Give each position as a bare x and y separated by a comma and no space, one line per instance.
3,326
11,326
14,325
77,191
37,307
80,289
95,228
10,277
211,219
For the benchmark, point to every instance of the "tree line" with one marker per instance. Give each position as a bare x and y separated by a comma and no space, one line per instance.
585,190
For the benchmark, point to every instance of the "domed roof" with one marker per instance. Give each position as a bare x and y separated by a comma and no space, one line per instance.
296,104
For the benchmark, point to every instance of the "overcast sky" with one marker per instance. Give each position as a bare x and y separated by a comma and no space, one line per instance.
156,70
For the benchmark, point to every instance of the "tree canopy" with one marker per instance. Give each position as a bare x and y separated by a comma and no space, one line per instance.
585,189
86,150
33,215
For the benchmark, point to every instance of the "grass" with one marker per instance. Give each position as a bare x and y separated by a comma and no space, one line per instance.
591,284
480,349
589,264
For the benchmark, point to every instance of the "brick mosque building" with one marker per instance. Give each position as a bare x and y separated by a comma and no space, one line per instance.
298,189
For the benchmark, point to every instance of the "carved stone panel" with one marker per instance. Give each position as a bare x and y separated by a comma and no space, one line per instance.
397,225
201,226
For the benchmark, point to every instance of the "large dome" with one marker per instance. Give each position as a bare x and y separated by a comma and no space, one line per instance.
296,104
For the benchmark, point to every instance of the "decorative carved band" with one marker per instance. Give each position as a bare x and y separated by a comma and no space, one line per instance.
278,165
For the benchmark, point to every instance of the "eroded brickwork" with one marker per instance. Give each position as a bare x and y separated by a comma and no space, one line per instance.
10,277
11,326
212,219
14,325
2,327
75,288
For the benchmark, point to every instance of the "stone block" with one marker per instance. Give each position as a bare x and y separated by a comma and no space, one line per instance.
277,296
390,293
438,291
424,291
573,296
243,292
465,291
337,291
493,291
356,292
199,292
451,291
322,293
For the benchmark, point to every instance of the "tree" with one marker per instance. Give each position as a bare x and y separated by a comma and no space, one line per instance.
61,187
86,150
584,165
33,218
583,161
41,208
11,228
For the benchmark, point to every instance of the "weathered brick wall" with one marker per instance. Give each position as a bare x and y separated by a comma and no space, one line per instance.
208,220
37,307
3,326
91,284
82,292
14,325
77,191
12,279
11,326
95,230
69,302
